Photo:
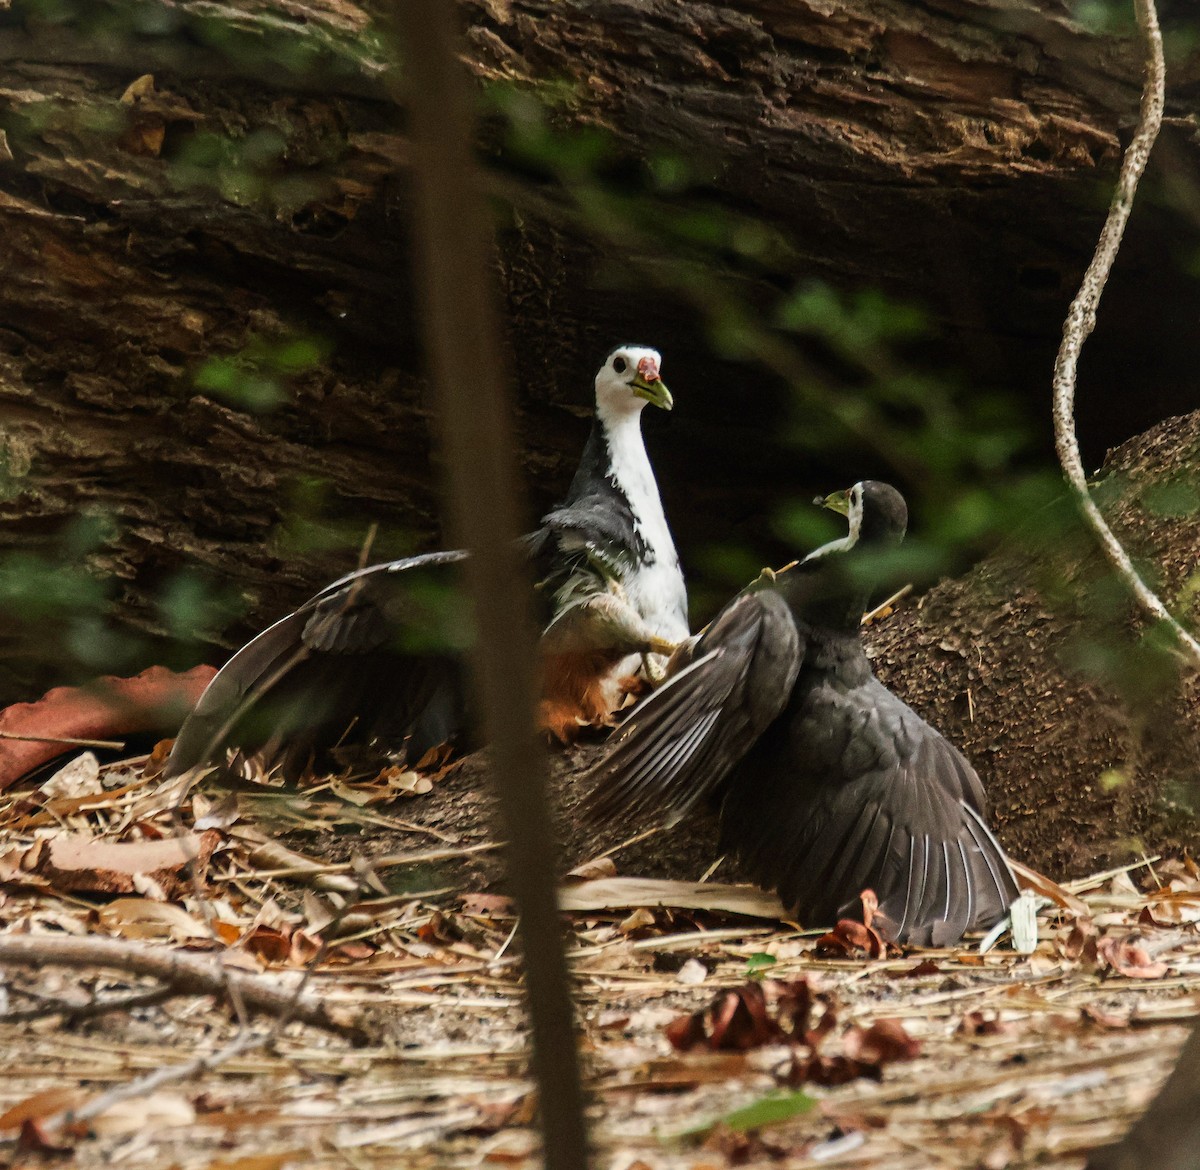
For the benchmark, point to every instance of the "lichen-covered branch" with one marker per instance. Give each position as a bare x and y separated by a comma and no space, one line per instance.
1081,320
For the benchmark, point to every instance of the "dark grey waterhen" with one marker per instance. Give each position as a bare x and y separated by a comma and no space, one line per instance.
826,783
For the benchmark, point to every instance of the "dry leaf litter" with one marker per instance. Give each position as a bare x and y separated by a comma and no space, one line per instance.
714,1033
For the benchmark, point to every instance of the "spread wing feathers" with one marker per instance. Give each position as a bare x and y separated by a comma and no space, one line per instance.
909,829
369,650
683,739
596,522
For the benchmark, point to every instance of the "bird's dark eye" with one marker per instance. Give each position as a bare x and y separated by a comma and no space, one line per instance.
620,365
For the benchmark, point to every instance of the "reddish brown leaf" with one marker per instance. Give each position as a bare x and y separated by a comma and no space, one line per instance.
108,708
487,905
687,1031
35,1138
816,1069
41,1105
81,862
977,1024
1080,944
1129,958
851,938
269,944
356,950
793,1007
925,967
883,1042
739,1019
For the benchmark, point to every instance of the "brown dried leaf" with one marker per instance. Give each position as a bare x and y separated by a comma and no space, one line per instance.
733,1020
269,944
977,1024
1080,944
1128,957
153,1112
629,893
1039,883
488,905
851,938
816,1069
598,867
883,1042
924,967
42,1105
142,918
639,920
81,862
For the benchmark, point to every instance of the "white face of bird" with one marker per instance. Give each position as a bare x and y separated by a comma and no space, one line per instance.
850,504
628,380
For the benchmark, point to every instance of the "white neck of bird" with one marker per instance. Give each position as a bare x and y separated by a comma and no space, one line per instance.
631,472
843,543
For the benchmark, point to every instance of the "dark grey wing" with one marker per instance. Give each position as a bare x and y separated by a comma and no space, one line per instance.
860,793
373,656
596,527
681,741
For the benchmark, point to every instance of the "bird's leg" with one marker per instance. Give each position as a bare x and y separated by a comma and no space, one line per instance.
651,670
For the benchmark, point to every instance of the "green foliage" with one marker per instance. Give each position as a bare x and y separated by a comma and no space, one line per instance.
59,596
759,964
258,377
1104,17
766,1111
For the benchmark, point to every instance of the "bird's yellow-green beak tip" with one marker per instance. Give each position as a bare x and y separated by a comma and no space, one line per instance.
835,502
654,392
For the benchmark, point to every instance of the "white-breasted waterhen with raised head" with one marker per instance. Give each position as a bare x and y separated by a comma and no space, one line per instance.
826,783
377,656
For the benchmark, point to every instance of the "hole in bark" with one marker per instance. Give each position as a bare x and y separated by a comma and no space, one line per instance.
1040,150
728,59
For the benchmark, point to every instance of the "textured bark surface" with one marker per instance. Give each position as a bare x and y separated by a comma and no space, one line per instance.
947,152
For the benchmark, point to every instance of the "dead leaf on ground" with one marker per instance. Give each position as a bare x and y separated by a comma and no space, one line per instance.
488,905
150,1113
79,777
735,1019
628,893
1039,883
80,862
884,1042
143,918
598,867
1128,957
853,937
637,923
41,1106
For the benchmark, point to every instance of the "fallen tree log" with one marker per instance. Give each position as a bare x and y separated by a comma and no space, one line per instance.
190,181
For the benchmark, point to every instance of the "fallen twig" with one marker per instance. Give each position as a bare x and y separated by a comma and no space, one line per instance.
184,973
144,1085
66,740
